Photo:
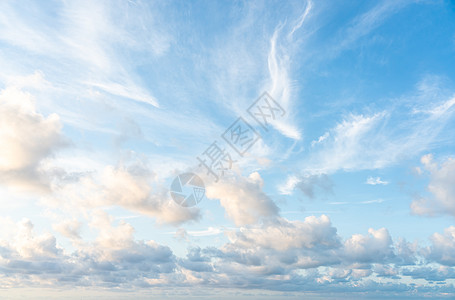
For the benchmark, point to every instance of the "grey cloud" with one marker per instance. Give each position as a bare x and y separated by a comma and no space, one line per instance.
308,184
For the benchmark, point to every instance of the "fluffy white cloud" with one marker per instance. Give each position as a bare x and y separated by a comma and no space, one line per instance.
442,186
243,199
68,228
27,138
275,249
30,246
374,247
281,247
442,249
276,255
113,259
283,235
134,188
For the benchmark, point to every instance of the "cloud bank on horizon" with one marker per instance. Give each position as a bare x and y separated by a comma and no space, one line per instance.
349,193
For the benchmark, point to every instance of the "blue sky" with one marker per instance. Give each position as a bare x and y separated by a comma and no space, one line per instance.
350,193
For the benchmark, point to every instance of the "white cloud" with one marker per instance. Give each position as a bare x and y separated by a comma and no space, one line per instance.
127,91
183,234
367,22
280,87
367,142
27,245
69,228
372,201
376,246
274,255
134,188
441,186
321,139
243,198
308,184
113,259
283,235
289,185
376,181
27,139
36,81
208,232
86,37
302,19
18,31
437,110
277,251
350,146
95,41
442,249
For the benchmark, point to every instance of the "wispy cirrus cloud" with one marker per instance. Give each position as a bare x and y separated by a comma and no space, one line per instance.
368,142
88,41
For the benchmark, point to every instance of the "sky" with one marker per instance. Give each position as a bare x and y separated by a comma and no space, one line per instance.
321,132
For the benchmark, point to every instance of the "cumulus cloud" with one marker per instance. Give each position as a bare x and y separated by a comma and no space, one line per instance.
441,186
442,249
243,199
302,255
115,258
132,187
28,245
376,246
68,228
279,247
282,235
276,247
117,243
277,255
27,139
